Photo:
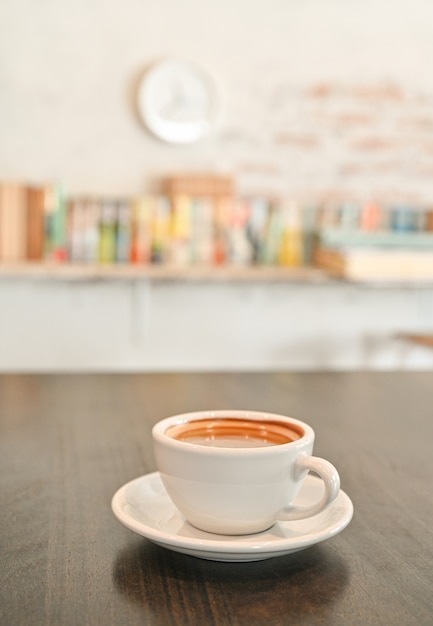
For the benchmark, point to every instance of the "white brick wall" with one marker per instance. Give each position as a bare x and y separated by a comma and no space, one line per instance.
318,94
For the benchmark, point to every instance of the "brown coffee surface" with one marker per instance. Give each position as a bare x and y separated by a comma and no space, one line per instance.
233,432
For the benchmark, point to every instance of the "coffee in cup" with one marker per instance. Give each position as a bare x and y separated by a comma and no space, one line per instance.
233,432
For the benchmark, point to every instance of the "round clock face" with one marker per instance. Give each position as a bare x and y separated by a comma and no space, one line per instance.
179,101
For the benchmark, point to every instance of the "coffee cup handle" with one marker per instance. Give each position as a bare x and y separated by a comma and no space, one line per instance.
331,479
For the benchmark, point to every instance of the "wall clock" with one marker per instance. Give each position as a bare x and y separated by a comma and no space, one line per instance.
179,101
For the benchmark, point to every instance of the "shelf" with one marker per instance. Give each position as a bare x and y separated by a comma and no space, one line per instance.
109,272
69,271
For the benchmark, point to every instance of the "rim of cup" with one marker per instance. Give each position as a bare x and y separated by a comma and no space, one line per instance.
159,431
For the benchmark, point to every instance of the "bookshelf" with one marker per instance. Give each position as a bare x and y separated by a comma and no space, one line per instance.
197,227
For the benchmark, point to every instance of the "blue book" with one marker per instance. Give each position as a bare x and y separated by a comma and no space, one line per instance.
404,219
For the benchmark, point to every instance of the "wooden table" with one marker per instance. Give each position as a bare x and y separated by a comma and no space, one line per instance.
68,442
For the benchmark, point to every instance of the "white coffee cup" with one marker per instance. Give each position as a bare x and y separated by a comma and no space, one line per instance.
238,472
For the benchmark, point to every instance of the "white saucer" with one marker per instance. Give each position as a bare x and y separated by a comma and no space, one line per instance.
143,506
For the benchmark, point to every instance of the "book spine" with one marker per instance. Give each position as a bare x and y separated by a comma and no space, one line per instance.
59,226
403,219
133,255
223,207
124,231
35,223
309,228
290,253
240,248
256,227
271,249
202,235
13,226
107,232
76,230
428,221
179,252
371,217
161,229
144,215
92,224
349,218
49,210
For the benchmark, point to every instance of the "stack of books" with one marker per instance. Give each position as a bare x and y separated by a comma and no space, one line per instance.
377,242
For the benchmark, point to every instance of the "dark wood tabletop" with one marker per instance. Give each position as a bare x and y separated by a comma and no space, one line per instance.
68,442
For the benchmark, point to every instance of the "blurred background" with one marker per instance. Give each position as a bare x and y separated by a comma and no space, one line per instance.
325,137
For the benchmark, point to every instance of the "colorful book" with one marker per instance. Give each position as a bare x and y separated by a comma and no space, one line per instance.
272,244
77,229
403,219
428,225
179,247
107,231
49,212
13,222
223,208
92,223
143,209
59,224
309,224
370,217
124,231
240,248
256,227
347,217
35,223
202,230
290,253
161,229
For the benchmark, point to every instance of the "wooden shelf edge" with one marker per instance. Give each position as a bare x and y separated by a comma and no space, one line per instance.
69,271
228,273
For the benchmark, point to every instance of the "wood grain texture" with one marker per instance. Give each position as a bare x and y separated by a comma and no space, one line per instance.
68,442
